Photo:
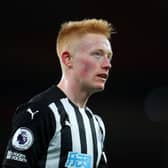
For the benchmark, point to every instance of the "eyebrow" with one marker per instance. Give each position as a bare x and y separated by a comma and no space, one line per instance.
102,51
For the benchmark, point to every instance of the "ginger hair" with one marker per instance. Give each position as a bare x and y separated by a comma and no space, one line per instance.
76,29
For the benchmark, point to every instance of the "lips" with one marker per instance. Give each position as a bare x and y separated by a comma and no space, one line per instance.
103,76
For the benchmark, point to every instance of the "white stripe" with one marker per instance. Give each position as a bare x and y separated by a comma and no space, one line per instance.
99,140
101,125
105,158
89,139
53,154
76,145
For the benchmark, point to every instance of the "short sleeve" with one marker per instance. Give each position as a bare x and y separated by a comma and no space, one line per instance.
33,127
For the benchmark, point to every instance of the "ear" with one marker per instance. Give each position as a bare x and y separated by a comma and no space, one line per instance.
66,59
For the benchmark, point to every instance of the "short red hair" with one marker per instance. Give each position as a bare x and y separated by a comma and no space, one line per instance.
72,29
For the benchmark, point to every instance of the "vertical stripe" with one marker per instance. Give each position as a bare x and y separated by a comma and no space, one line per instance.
99,142
76,144
89,139
53,157
85,131
82,131
105,158
100,136
92,125
101,126
66,138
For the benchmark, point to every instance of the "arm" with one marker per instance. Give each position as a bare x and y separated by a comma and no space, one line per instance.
103,160
32,128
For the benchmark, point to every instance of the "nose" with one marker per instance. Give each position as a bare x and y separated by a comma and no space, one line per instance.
106,63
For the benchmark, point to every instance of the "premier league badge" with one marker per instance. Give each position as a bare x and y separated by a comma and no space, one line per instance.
78,160
22,139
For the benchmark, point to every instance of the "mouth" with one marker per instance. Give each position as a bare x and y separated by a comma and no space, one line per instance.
103,76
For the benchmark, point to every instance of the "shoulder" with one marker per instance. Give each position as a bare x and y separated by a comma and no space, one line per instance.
37,107
47,96
42,100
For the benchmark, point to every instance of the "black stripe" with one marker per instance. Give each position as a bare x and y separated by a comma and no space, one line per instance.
103,163
93,130
66,137
82,131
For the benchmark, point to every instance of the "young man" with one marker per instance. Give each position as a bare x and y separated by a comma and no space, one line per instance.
56,129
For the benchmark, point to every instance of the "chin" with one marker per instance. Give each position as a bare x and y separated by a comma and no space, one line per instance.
99,88
100,85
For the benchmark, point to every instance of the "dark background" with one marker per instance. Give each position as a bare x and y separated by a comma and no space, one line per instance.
28,65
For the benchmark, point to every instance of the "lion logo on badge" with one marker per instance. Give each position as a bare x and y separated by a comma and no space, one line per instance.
22,139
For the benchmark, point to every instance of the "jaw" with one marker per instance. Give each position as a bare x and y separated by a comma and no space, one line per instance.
92,85
98,86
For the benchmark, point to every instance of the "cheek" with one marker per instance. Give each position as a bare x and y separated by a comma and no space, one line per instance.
87,67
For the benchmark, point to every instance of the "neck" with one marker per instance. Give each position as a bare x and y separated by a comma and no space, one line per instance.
74,92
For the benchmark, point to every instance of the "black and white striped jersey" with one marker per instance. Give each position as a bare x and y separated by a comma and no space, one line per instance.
50,131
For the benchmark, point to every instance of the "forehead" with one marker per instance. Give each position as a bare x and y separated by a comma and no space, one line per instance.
94,41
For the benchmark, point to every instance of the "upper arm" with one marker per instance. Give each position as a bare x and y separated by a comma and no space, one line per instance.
29,137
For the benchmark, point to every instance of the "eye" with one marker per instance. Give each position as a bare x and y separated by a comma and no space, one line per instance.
109,57
97,54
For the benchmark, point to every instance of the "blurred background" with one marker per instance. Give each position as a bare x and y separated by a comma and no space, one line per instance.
134,104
